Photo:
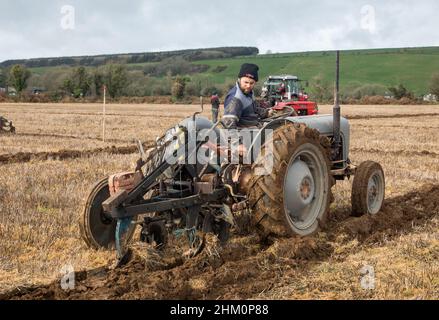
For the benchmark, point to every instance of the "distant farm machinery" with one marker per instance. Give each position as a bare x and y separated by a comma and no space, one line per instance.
6,126
285,90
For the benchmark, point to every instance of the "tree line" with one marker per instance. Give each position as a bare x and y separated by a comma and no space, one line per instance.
81,82
129,58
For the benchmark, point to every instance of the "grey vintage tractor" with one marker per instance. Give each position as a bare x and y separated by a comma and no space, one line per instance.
6,125
172,191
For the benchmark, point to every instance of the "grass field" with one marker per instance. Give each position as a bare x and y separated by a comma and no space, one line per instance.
41,199
413,69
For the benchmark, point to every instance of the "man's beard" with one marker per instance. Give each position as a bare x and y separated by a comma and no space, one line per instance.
248,91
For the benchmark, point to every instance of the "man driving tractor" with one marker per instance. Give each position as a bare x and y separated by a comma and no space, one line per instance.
240,107
282,90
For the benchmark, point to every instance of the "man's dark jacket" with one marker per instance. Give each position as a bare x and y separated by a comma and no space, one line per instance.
241,110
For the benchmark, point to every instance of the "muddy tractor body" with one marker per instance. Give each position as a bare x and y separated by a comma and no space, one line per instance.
198,178
286,90
6,126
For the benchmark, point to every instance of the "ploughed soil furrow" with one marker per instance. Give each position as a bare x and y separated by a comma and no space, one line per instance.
387,116
414,127
23,157
109,114
246,266
399,214
397,152
62,136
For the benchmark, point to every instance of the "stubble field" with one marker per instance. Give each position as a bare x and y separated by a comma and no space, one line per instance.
49,166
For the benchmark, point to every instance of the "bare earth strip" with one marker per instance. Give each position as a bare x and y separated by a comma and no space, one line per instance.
22,157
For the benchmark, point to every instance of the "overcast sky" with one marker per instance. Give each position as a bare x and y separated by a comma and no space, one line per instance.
51,28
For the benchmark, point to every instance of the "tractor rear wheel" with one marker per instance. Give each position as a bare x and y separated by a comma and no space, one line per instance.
294,197
368,189
98,229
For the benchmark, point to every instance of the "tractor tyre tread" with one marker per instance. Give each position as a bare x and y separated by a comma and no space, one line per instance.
266,195
359,187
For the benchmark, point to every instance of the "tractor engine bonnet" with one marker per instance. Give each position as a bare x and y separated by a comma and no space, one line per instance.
324,124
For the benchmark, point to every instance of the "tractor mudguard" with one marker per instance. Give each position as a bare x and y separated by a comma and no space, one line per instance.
322,123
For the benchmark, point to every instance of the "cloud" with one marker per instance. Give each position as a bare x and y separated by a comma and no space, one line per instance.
33,29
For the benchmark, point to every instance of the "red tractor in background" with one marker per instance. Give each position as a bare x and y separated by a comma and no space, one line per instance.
285,91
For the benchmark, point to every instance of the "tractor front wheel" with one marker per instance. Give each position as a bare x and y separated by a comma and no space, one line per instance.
368,189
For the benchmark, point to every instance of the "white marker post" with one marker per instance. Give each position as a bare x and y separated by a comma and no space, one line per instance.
103,114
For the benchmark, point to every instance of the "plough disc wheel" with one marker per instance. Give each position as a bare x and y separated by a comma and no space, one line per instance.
97,228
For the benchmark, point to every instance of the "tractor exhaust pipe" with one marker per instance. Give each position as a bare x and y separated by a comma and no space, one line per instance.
336,109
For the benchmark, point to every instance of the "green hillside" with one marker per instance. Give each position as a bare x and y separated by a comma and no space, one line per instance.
411,67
